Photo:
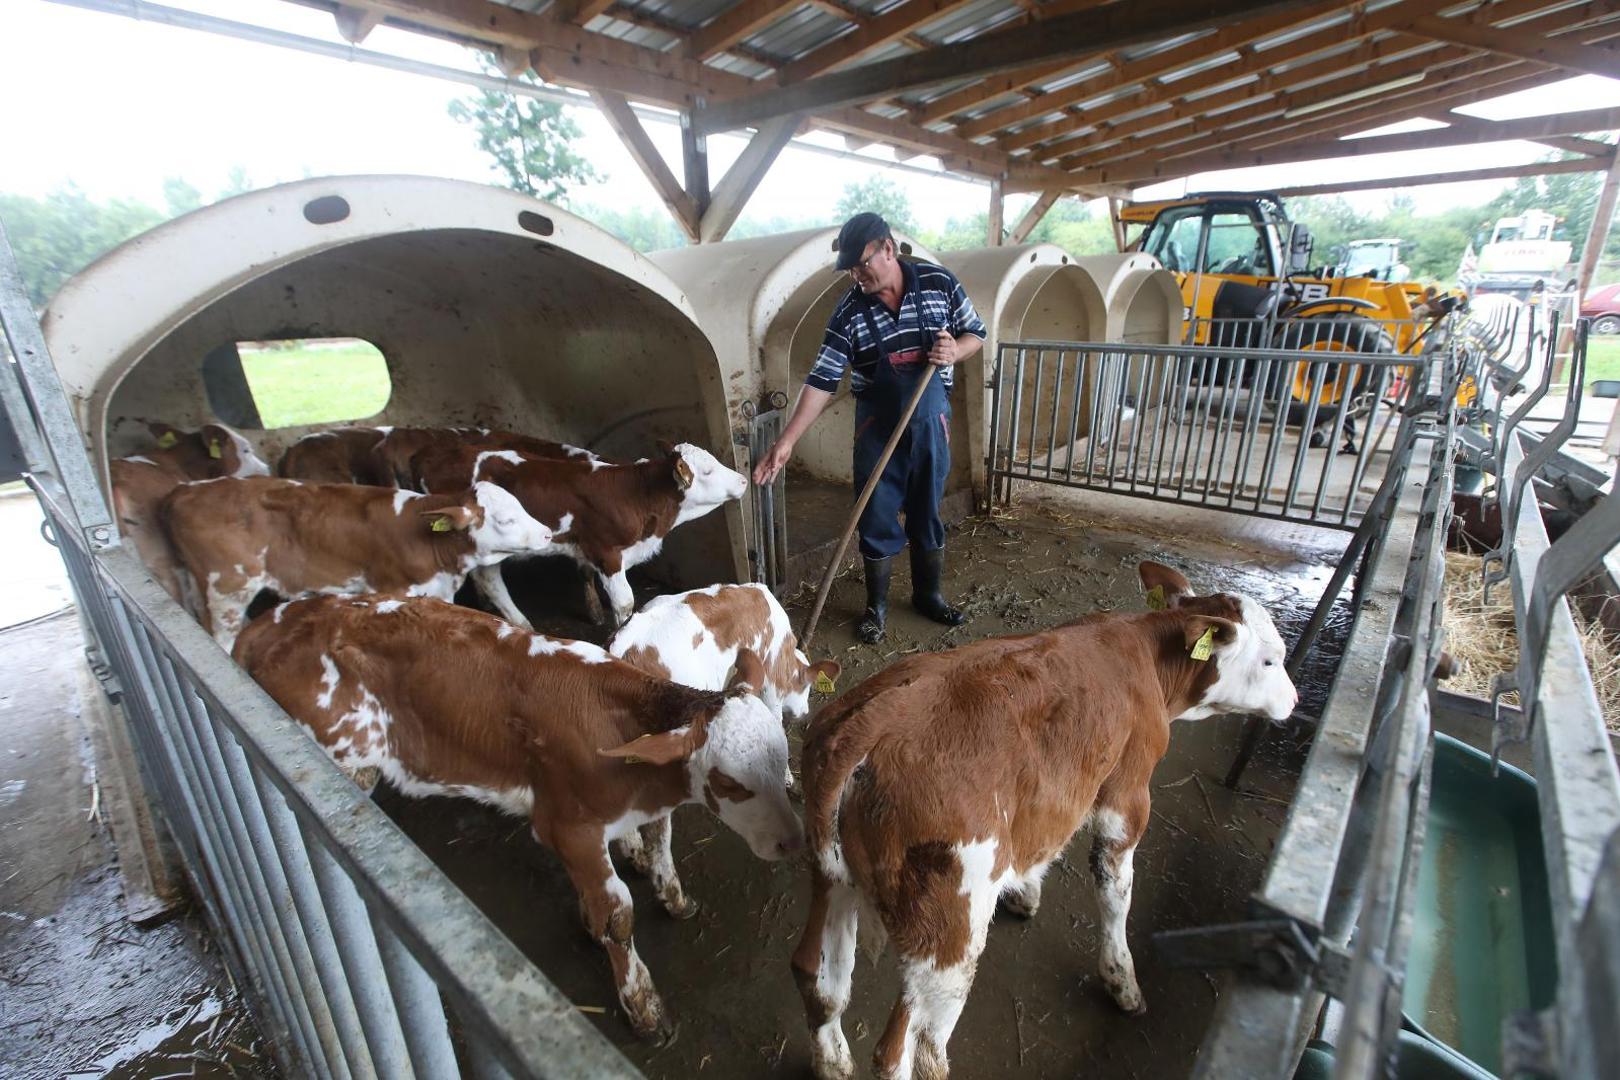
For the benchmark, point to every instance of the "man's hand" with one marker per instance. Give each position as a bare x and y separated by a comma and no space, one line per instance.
775,460
944,353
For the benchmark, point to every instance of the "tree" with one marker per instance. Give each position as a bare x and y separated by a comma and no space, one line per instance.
881,196
641,228
59,235
529,139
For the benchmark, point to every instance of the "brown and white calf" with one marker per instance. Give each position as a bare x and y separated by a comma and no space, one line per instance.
344,455
383,455
139,482
607,517
950,780
233,538
695,638
447,700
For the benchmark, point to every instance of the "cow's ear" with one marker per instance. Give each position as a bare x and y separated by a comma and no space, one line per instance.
1203,632
683,474
659,748
823,675
448,518
1164,586
665,447
748,676
165,434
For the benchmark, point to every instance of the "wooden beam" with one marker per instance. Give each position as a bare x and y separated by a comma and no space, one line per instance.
735,188
1254,62
623,120
695,164
1573,144
1502,172
957,101
1240,33
1452,84
1598,234
1321,150
1079,34
891,25
1520,45
731,26
583,11
995,223
1032,217
512,60
355,23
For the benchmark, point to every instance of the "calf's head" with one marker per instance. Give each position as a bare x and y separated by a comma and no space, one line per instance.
1236,638
736,761
796,698
703,482
494,520
233,454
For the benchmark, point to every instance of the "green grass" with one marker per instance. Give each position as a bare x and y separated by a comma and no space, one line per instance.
316,384
1602,358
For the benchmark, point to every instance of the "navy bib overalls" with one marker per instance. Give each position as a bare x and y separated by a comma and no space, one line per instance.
914,479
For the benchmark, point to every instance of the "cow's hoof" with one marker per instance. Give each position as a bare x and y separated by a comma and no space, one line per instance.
1015,904
683,909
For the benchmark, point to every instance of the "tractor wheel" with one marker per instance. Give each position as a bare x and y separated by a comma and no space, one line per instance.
1341,386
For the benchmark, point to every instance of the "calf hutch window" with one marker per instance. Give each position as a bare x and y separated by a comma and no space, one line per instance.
296,382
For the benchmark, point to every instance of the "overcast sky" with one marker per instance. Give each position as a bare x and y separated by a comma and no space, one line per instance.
115,105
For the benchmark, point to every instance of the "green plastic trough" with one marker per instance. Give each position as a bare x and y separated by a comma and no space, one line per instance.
1482,937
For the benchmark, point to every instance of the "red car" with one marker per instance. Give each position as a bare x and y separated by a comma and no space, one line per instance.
1602,306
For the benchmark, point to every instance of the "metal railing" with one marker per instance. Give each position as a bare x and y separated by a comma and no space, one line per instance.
1298,433
357,955
767,505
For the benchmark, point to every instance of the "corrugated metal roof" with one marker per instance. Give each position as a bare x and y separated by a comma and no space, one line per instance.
802,29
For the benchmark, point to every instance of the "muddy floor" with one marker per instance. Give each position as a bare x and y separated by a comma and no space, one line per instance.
84,992
1037,1007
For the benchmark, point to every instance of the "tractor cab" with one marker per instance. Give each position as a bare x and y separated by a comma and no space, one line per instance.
1241,235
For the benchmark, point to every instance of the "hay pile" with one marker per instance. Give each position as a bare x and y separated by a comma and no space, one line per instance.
1482,637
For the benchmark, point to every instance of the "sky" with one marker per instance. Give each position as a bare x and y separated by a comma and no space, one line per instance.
118,105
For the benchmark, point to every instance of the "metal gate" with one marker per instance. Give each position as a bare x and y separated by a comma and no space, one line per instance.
357,955
1300,433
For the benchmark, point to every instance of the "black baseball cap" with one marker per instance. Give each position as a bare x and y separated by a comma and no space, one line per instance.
857,232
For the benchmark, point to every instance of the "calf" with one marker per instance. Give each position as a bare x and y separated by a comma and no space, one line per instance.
397,452
140,482
382,455
233,538
694,638
607,517
951,779
446,700
345,455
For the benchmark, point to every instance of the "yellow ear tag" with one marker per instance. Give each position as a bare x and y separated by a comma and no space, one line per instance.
824,685
441,524
1155,599
167,440
1204,647
213,449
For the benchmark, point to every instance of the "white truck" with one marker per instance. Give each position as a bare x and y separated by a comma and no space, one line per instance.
1523,256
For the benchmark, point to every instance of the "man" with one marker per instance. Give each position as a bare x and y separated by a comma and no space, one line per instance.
897,320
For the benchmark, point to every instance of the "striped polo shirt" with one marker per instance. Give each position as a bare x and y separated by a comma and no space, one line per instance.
932,300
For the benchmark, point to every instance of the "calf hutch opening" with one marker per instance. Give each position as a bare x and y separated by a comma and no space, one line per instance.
488,309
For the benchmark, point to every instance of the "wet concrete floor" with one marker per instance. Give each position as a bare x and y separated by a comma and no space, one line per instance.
1037,1007
83,992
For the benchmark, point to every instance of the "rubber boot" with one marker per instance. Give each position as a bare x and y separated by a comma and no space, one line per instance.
870,628
927,567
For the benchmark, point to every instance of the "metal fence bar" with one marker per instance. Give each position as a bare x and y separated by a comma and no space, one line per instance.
1190,410
417,1000
369,1047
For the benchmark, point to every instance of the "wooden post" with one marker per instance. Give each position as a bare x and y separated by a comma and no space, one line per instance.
1602,219
1119,226
994,232
695,158
1032,217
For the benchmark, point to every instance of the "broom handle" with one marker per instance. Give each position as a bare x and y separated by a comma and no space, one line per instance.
860,506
